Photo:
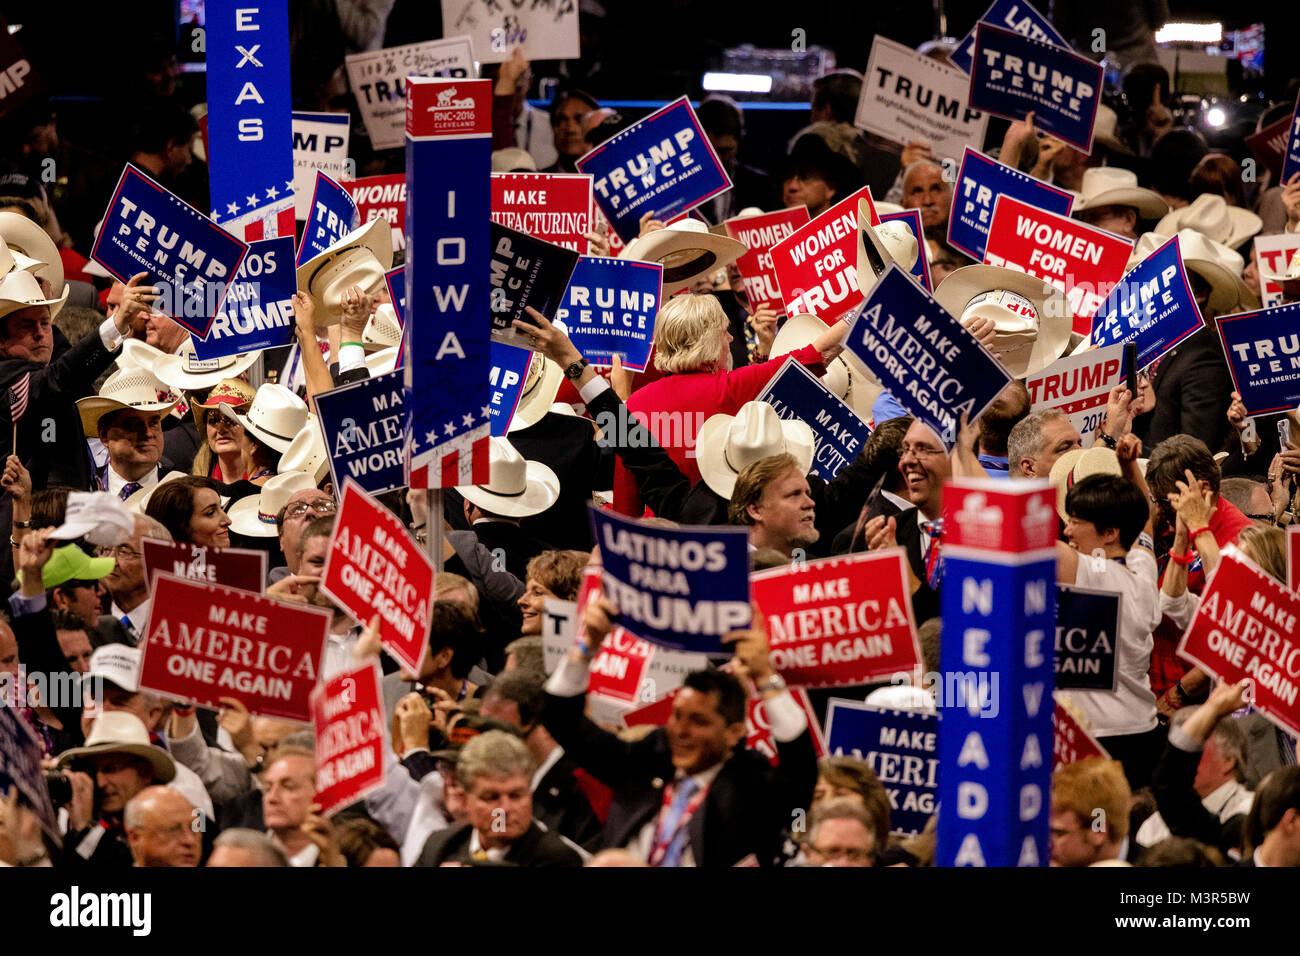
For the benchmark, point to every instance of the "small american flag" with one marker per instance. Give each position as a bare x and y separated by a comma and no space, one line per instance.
18,397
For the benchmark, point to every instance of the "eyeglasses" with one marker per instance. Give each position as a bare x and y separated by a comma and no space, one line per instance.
319,508
920,451
121,553
852,854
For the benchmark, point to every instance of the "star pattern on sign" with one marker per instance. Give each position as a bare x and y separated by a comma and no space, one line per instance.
288,184
487,413
468,419
431,438
252,201
215,215
450,429
232,208
272,192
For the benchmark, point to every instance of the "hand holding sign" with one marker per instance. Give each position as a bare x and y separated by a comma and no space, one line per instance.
133,311
1291,200
753,658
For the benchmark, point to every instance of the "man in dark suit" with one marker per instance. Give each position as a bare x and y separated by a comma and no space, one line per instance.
519,488
689,793
1192,390
495,770
1273,827
559,801
567,445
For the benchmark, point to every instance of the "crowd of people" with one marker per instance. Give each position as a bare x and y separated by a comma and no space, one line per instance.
494,755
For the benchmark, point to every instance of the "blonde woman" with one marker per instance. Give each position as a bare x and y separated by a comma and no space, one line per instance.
221,454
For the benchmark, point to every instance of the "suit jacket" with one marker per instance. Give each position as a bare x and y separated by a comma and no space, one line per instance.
566,445
536,848
1181,807
181,443
39,652
562,806
748,807
517,545
925,599
1192,387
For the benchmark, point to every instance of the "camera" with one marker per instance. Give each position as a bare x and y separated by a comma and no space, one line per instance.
59,786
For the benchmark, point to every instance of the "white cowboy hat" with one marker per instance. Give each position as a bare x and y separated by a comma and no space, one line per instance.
28,239
1105,131
121,732
1033,319
137,353
880,246
541,384
254,516
383,330
11,259
846,377
185,371
382,362
274,418
135,388
1076,465
1211,216
20,290
1112,186
307,453
1218,265
888,208
360,258
1289,280
726,444
137,502
687,251
518,487
512,159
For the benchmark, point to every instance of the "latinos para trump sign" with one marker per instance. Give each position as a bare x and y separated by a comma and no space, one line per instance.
662,164
1246,626
760,234
817,265
908,96
147,229
205,641
840,621
924,356
258,311
1013,15
350,737
1263,350
1014,75
682,588
980,182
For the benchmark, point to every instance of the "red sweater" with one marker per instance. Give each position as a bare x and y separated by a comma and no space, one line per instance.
674,407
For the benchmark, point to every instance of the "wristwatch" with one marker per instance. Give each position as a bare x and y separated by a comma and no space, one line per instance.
1106,439
574,371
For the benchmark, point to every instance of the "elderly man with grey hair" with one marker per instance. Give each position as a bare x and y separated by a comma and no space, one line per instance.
163,829
243,847
495,771
1038,440
126,584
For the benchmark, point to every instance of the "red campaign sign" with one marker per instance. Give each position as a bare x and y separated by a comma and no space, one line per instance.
1084,262
986,514
1269,145
374,566
760,234
655,714
21,82
758,731
438,107
243,568
349,720
840,621
1071,743
381,197
206,641
817,265
1293,557
1245,627
619,666
551,206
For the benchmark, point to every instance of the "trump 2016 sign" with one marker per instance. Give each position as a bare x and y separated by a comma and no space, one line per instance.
840,621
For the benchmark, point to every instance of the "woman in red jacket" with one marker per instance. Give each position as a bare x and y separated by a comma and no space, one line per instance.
692,350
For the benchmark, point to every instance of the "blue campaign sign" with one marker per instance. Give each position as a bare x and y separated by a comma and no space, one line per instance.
980,181
525,273
364,425
1263,350
838,432
147,229
920,268
1013,75
395,280
1291,154
663,164
447,359
923,355
682,588
1087,632
258,311
1152,305
250,134
901,747
332,216
1014,15
609,308
509,374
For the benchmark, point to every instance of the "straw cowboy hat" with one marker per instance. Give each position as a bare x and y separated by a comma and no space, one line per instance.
846,377
1112,186
1211,216
120,732
307,453
185,371
518,488
881,246
137,502
1032,318
360,258
127,388
687,251
382,362
383,330
274,418
1076,465
1104,131
11,259
541,385
137,353
513,160
28,240
20,290
728,443
1218,265
255,515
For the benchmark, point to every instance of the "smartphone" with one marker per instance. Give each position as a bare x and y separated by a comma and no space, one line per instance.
1130,369
1284,432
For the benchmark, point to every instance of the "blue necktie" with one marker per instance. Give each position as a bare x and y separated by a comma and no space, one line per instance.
128,489
673,853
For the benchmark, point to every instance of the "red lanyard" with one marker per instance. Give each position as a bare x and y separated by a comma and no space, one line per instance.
661,842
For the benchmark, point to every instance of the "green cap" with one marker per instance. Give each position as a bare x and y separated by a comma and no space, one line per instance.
70,563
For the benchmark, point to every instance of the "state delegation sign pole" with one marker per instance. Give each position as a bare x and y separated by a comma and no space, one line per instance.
434,534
